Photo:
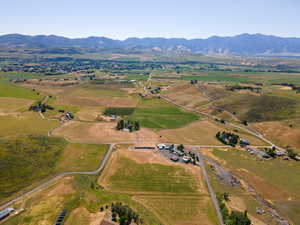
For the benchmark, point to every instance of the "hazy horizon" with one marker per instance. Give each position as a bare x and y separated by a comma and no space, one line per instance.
120,20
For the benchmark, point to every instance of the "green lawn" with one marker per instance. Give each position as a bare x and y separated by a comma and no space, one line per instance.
132,176
155,113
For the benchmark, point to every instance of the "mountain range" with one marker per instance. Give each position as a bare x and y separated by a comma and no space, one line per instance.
244,44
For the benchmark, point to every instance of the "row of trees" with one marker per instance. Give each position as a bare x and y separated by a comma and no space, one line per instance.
124,214
128,124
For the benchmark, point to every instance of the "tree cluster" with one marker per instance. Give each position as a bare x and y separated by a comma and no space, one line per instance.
228,138
128,124
238,87
124,214
193,81
233,217
40,107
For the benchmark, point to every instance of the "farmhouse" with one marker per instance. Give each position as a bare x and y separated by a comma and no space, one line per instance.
5,213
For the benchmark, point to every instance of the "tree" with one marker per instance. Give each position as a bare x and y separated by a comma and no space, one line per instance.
136,125
226,196
245,122
291,153
180,147
238,218
271,152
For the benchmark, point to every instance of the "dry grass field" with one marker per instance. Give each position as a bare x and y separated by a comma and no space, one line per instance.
201,132
280,133
9,105
103,132
187,95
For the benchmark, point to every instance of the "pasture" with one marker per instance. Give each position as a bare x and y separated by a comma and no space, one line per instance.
81,157
8,89
25,123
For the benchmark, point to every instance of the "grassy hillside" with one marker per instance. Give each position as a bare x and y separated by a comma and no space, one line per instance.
27,159
25,124
261,108
10,90
155,113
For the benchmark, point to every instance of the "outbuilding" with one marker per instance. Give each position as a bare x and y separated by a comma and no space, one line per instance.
5,213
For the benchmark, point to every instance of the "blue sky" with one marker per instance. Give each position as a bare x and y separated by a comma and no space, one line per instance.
121,19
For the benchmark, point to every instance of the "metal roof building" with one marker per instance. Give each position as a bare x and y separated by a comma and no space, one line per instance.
4,213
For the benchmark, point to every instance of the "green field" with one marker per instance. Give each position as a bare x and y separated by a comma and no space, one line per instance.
81,157
25,124
155,113
11,90
132,176
26,160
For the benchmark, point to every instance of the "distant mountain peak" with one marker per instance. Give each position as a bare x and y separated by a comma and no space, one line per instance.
242,44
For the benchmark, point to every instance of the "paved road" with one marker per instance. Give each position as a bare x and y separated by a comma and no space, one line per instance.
210,189
46,183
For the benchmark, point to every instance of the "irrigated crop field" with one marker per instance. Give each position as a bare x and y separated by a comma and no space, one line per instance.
156,114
